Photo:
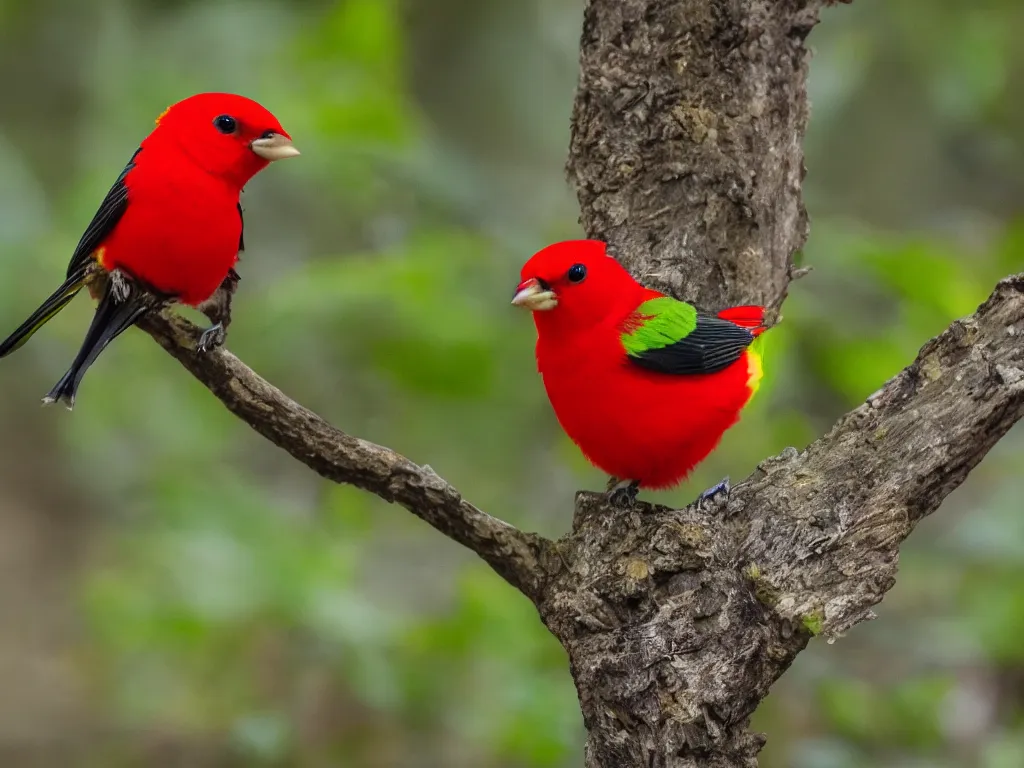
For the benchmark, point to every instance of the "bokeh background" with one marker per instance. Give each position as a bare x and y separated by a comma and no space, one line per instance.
176,592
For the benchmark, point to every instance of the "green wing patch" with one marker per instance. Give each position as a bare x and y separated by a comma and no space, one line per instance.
670,336
658,323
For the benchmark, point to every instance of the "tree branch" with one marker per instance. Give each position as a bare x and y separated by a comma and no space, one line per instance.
515,555
825,525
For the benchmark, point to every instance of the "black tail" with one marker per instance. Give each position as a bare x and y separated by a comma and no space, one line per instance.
57,301
122,304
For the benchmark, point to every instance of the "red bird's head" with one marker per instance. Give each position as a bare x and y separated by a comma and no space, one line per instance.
575,285
226,135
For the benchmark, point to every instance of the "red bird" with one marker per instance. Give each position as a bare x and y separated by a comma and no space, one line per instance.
644,384
172,222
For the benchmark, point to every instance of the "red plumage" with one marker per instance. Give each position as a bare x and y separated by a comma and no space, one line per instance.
636,424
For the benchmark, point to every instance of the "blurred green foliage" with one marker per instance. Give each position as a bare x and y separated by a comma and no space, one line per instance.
175,587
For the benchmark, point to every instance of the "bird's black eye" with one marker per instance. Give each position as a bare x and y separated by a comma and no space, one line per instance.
225,123
576,273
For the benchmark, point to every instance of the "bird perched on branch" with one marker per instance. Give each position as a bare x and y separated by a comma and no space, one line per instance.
644,384
170,229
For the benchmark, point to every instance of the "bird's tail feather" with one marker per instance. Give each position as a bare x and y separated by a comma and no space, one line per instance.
121,306
57,301
750,317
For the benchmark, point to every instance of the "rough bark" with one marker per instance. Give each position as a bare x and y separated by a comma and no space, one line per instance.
686,152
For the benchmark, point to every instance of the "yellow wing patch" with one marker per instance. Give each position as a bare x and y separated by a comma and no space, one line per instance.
755,369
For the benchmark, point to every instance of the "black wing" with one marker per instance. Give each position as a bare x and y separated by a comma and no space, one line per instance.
712,346
110,212
241,234
233,277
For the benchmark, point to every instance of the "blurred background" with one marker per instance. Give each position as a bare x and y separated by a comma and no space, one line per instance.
176,592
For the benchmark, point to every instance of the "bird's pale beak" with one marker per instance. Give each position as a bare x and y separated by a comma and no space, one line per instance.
534,295
274,147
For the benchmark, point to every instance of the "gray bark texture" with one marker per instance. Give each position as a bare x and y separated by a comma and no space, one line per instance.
687,138
686,153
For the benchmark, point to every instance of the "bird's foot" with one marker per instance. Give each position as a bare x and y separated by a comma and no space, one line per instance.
622,493
711,494
211,338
